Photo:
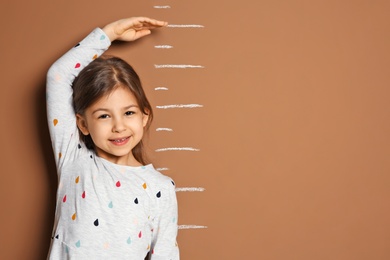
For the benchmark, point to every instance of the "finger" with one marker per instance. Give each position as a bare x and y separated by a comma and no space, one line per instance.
140,23
142,33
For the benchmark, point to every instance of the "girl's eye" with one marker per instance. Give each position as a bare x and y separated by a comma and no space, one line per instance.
103,116
129,113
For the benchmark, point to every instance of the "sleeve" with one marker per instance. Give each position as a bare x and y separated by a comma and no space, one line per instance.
60,113
164,245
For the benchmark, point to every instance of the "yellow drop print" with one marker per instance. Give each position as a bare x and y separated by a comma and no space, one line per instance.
94,57
77,179
74,216
55,122
144,185
59,155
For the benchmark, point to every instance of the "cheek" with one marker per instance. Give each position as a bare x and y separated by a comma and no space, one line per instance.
96,129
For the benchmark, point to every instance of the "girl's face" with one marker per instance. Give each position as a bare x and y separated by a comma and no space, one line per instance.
116,125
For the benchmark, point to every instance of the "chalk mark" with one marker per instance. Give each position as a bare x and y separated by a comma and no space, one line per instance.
185,26
177,149
191,227
177,66
160,88
162,169
161,6
164,129
180,106
163,46
190,189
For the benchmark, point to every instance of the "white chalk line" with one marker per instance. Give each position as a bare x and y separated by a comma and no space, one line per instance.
177,149
191,227
190,189
180,106
185,26
178,66
162,169
164,129
161,88
163,47
161,6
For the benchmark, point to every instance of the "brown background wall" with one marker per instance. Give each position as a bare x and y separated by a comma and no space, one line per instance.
293,133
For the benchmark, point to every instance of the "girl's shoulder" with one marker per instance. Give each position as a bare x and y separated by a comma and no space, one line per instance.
158,176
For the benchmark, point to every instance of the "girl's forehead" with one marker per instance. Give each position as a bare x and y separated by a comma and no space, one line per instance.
118,96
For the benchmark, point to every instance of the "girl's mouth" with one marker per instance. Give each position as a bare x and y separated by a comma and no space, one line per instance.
120,141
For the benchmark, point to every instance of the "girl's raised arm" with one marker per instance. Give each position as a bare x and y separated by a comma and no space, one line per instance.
60,112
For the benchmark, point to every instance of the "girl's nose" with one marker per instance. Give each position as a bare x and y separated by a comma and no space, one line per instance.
118,126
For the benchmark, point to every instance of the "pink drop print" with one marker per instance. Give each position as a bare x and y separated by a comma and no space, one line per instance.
83,195
140,234
118,184
77,65
64,199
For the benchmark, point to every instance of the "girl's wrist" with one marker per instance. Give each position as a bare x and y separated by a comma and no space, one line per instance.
109,32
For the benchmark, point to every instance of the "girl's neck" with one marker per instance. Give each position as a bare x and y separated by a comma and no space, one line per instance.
126,160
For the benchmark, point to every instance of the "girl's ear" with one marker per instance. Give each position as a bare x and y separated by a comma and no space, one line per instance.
145,118
82,124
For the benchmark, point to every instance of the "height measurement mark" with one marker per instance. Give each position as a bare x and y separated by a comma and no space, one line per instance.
160,88
164,129
190,189
178,66
191,149
185,26
161,6
163,46
190,227
180,106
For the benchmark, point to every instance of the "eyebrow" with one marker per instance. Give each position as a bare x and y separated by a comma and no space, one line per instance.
108,110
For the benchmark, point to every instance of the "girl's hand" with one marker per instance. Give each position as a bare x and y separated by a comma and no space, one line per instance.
131,29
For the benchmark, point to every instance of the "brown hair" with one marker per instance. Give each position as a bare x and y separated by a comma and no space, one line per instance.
100,78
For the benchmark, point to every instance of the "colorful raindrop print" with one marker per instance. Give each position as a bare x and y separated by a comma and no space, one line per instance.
158,195
129,241
64,199
78,243
96,222
110,205
55,122
118,184
74,216
144,186
77,65
77,179
83,195
136,201
140,234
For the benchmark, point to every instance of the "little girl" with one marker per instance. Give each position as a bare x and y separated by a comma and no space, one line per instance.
110,205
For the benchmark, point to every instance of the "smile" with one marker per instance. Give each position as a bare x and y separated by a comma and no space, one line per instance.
120,141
